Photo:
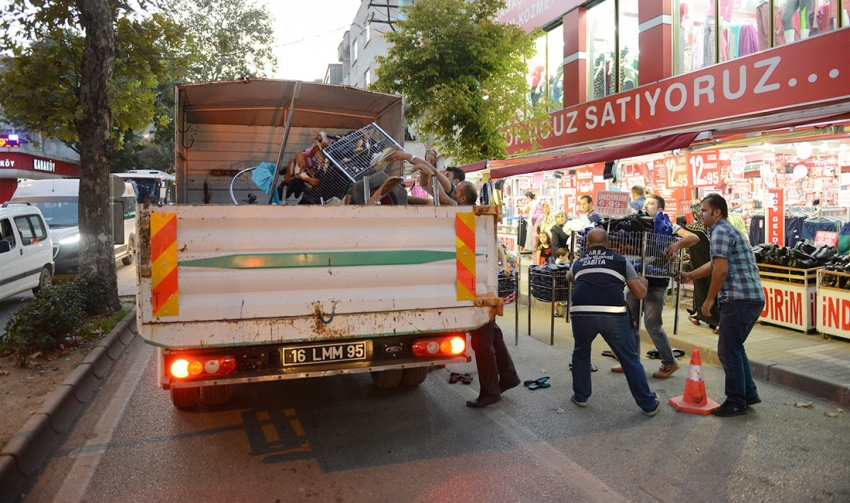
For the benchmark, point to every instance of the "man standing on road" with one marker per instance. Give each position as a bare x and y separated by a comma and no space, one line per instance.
496,371
598,307
656,297
735,277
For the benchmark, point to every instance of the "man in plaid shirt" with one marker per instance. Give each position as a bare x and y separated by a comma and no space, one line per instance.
736,284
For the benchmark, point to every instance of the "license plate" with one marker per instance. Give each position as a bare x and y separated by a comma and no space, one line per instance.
337,352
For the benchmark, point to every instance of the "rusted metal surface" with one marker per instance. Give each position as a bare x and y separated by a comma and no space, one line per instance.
143,226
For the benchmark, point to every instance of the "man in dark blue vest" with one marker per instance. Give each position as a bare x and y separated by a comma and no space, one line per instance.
599,307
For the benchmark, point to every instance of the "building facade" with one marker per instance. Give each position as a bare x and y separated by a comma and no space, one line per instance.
21,159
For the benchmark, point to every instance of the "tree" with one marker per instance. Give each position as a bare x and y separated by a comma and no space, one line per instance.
85,100
463,76
233,39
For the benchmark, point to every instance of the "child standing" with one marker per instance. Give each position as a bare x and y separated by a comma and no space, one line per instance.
544,249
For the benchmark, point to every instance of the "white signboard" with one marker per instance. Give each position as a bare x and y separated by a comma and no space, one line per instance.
612,204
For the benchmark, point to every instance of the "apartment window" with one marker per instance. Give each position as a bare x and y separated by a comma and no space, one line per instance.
607,73
367,77
367,34
546,70
354,51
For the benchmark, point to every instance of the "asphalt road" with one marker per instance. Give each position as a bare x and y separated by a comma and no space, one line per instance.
340,439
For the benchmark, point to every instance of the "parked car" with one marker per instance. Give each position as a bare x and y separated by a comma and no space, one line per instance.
26,257
58,200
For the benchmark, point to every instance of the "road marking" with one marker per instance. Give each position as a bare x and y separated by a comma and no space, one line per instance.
574,474
88,457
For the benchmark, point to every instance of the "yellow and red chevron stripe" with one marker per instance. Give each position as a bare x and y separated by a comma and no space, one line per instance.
465,232
164,290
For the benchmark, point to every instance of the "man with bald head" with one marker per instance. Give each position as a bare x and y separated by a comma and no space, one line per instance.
599,308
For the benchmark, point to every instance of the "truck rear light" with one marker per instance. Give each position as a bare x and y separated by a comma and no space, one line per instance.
442,346
182,368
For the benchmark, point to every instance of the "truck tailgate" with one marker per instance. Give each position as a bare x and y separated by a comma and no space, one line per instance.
257,274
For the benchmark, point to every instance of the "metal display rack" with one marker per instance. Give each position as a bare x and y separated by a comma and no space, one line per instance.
548,283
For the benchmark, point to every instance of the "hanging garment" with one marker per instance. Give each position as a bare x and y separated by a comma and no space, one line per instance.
756,230
748,42
812,226
793,230
763,23
844,239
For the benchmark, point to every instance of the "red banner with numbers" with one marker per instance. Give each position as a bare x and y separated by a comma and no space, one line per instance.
705,168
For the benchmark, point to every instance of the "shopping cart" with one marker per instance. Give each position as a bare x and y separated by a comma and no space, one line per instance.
350,159
646,251
548,283
508,287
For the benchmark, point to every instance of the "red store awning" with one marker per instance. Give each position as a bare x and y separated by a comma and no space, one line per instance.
651,146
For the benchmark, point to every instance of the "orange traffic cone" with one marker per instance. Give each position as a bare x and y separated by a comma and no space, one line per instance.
694,400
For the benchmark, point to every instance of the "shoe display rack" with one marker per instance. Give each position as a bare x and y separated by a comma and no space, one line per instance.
833,304
790,295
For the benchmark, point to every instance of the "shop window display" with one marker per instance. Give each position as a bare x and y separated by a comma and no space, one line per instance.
546,70
800,19
603,43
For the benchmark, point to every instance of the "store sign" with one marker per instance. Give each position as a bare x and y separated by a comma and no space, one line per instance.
788,77
42,165
789,305
524,183
529,14
584,181
826,238
612,204
7,163
834,316
775,204
738,163
659,175
705,169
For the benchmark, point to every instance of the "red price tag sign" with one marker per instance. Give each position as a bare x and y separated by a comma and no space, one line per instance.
705,168
584,181
775,204
826,238
612,204
678,174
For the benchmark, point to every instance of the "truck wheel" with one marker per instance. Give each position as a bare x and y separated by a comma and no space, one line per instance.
185,398
131,252
387,378
216,395
45,280
414,376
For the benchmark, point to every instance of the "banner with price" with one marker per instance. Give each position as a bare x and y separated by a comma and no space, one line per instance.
612,204
705,169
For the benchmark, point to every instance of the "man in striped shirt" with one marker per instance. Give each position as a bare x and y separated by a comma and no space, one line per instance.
599,307
736,284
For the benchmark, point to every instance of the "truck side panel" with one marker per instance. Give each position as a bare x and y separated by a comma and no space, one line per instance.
268,274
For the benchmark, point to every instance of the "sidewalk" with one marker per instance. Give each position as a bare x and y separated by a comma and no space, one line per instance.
803,362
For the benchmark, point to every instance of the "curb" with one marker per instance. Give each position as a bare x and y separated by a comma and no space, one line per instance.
23,457
772,372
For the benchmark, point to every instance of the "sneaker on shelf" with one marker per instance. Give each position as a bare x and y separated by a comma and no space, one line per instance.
666,371
657,406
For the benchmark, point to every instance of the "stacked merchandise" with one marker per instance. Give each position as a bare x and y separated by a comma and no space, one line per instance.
839,264
548,283
804,255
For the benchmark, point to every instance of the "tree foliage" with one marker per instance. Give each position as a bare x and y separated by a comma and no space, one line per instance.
233,40
462,74
41,79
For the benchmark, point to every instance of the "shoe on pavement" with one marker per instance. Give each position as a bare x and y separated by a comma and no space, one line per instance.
753,400
729,409
509,385
617,368
578,402
480,403
666,371
657,406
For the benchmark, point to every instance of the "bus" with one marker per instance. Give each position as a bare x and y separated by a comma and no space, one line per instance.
158,184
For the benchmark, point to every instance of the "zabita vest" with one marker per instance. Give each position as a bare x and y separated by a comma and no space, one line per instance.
600,276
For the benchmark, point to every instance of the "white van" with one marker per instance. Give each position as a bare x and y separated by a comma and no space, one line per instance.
26,258
58,200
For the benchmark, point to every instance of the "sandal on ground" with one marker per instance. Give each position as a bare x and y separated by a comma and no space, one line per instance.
466,378
693,320
716,330
531,382
454,377
609,353
544,384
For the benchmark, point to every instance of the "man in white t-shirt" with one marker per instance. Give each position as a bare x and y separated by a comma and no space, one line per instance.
656,297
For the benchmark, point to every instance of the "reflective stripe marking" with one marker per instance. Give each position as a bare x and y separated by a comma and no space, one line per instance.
695,373
597,309
601,271
465,244
164,284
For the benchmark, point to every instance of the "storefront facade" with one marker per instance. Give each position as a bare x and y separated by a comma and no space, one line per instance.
18,165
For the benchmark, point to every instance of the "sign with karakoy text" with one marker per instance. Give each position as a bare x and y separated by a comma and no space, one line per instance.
783,78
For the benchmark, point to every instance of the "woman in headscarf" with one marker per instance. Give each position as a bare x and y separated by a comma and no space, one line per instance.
700,254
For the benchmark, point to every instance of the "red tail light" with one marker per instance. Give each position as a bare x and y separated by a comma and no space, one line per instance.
190,367
439,346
